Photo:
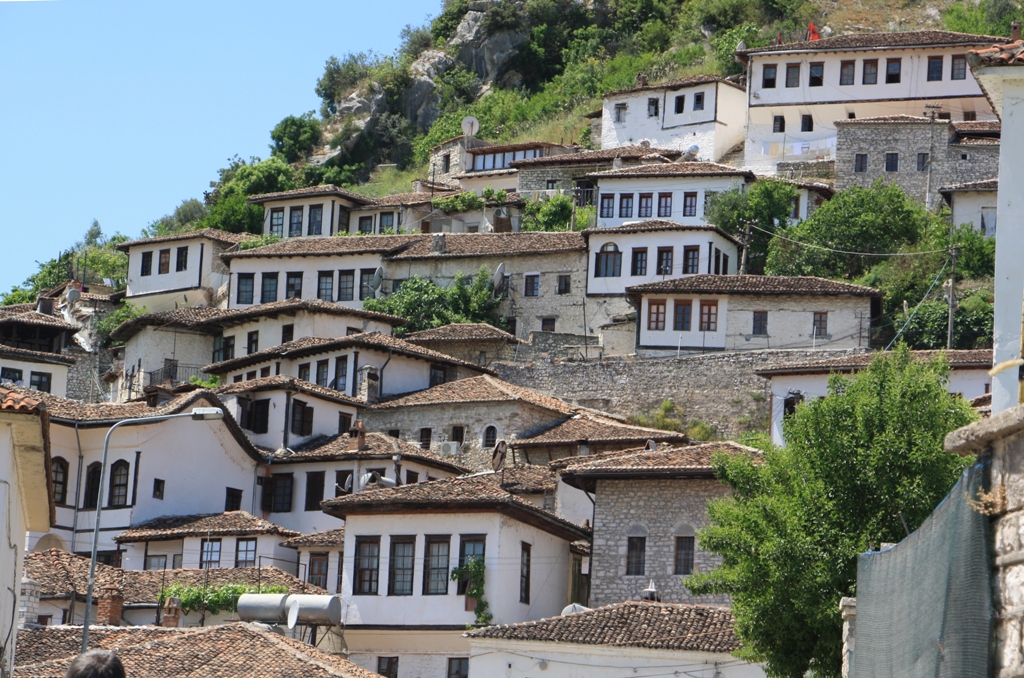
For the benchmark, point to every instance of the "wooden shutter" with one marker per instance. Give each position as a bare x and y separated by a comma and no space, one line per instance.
307,421
260,416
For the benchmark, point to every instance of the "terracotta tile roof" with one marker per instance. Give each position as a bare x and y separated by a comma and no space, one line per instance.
216,235
983,185
378,446
977,126
458,332
504,148
594,157
14,401
404,199
492,244
13,309
314,345
36,318
464,494
329,246
283,382
958,359
190,317
1000,53
486,173
660,626
37,645
26,355
227,651
592,428
823,186
754,284
674,169
215,524
925,38
311,192
325,539
651,225
476,390
975,141
678,83
888,119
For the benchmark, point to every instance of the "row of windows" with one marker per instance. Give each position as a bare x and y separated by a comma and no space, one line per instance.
458,667
210,553
654,106
386,222
458,434
645,204
224,347
608,261
682,317
491,161
164,261
245,293
531,285
892,162
315,223
37,381
869,72
636,556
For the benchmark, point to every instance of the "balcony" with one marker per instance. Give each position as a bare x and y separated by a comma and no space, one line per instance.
174,374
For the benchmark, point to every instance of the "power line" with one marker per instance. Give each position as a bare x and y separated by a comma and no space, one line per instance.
830,249
930,288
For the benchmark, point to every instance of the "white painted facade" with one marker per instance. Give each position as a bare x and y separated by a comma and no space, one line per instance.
360,265
375,220
333,210
188,551
977,208
334,563
506,180
678,188
326,420
201,282
58,373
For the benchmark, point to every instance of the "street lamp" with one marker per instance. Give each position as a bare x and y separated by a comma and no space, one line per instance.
197,414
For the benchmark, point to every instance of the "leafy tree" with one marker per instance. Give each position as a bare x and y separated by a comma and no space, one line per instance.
857,463
505,16
442,28
458,203
724,43
424,304
552,214
929,327
329,173
457,87
987,17
123,313
254,177
188,213
414,41
340,77
765,206
235,215
295,137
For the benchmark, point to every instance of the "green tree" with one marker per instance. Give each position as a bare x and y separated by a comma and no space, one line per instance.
552,214
724,43
425,304
235,215
252,178
442,28
987,17
123,313
857,463
414,41
295,137
340,77
765,206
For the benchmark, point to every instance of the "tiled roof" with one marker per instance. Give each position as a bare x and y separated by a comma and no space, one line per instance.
38,319
325,539
655,626
963,359
456,332
421,198
226,651
651,225
13,309
314,345
492,244
675,169
983,185
679,83
14,401
975,141
504,148
333,245
481,389
28,356
1001,53
281,382
593,428
754,284
875,40
599,156
977,126
311,192
216,524
487,173
37,645
883,119
822,186
189,317
465,494
378,446
218,236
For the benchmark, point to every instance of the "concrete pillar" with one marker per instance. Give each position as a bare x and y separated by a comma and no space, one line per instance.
848,609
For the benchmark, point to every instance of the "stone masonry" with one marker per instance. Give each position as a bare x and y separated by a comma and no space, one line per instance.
84,381
661,510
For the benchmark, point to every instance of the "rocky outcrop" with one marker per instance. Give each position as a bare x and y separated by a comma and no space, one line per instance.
486,55
421,103
361,109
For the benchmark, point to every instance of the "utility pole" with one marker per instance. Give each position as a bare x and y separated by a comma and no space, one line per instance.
746,247
953,252
933,108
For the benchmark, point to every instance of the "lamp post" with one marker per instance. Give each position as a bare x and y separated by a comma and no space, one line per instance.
197,414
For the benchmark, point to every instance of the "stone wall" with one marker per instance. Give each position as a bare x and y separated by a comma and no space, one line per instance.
662,510
814,169
720,389
84,381
536,178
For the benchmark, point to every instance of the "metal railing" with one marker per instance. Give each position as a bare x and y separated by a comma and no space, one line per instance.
174,374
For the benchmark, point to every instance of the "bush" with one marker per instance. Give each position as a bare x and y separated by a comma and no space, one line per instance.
415,41
552,214
213,599
234,214
724,43
458,203
457,87
253,178
123,313
425,304
296,137
504,16
341,77
443,27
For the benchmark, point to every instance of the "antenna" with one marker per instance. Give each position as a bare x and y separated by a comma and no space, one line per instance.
470,126
498,456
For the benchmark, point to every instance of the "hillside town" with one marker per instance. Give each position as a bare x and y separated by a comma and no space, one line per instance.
373,496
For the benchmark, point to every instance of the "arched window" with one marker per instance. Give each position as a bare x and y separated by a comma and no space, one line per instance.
119,484
490,436
60,480
684,545
636,550
608,262
92,486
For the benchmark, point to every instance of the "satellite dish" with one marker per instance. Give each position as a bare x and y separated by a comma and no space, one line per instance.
573,608
293,616
74,294
364,480
498,279
498,456
694,149
377,279
347,485
470,126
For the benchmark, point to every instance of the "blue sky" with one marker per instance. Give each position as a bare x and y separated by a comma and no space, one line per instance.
119,110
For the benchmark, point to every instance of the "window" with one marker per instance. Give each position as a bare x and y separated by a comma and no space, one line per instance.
988,220
323,368
325,286
366,224
547,324
709,316
346,285
293,286
366,290
970,116
656,315
608,262
302,416
664,204
664,261
316,221
164,263
387,221
531,287
625,205
806,123
264,372
438,375
181,259
435,565
892,162
922,162
860,162
147,264
682,315
794,211
223,348
760,324
425,436
652,108
155,563
684,555
176,561
245,552
314,490
564,284
277,221
340,373
551,184
118,494
400,566
779,124
934,68
768,76
11,374
340,479
636,548
491,436
252,342
792,75
607,206
458,434
40,381
268,289
821,323
277,493
691,259
958,68
698,101
367,566
869,74
254,416
158,488
471,547
524,573
789,404
294,222
411,477
690,204
645,208
318,569
446,163
620,112
387,666
892,70
345,423
847,70
680,103
304,371
817,72
458,667
209,554
246,283
232,499
639,265
60,480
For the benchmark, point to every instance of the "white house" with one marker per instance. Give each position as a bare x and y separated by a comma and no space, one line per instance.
644,638
792,383
701,110
402,611
33,342
397,213
320,557
742,312
311,212
489,166
974,203
182,269
796,91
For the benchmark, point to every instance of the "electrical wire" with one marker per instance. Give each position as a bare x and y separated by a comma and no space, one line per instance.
830,249
925,297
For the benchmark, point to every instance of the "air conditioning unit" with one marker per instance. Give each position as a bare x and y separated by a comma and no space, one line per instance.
450,448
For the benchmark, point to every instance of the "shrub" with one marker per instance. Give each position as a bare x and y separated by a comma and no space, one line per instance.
415,41
458,203
213,599
504,16
340,77
442,28
235,215
295,137
551,214
122,314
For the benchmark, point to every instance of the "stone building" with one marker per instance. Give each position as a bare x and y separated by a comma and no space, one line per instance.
569,171
918,154
451,157
478,343
588,432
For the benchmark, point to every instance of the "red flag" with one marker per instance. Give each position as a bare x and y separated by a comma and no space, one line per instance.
812,32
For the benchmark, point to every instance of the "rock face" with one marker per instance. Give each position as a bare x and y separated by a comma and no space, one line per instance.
421,101
486,55
364,106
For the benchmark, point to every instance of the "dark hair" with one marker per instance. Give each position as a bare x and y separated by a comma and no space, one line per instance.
96,664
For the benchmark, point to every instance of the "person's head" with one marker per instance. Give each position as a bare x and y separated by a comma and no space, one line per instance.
96,664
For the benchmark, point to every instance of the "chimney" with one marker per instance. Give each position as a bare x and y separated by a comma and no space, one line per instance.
171,613
418,186
45,304
437,245
1015,31
368,380
28,603
617,162
641,80
110,606
650,594
357,436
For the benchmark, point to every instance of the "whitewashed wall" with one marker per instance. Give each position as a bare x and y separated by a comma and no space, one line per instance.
269,552
325,418
675,185
58,374
308,266
201,274
333,207
968,205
